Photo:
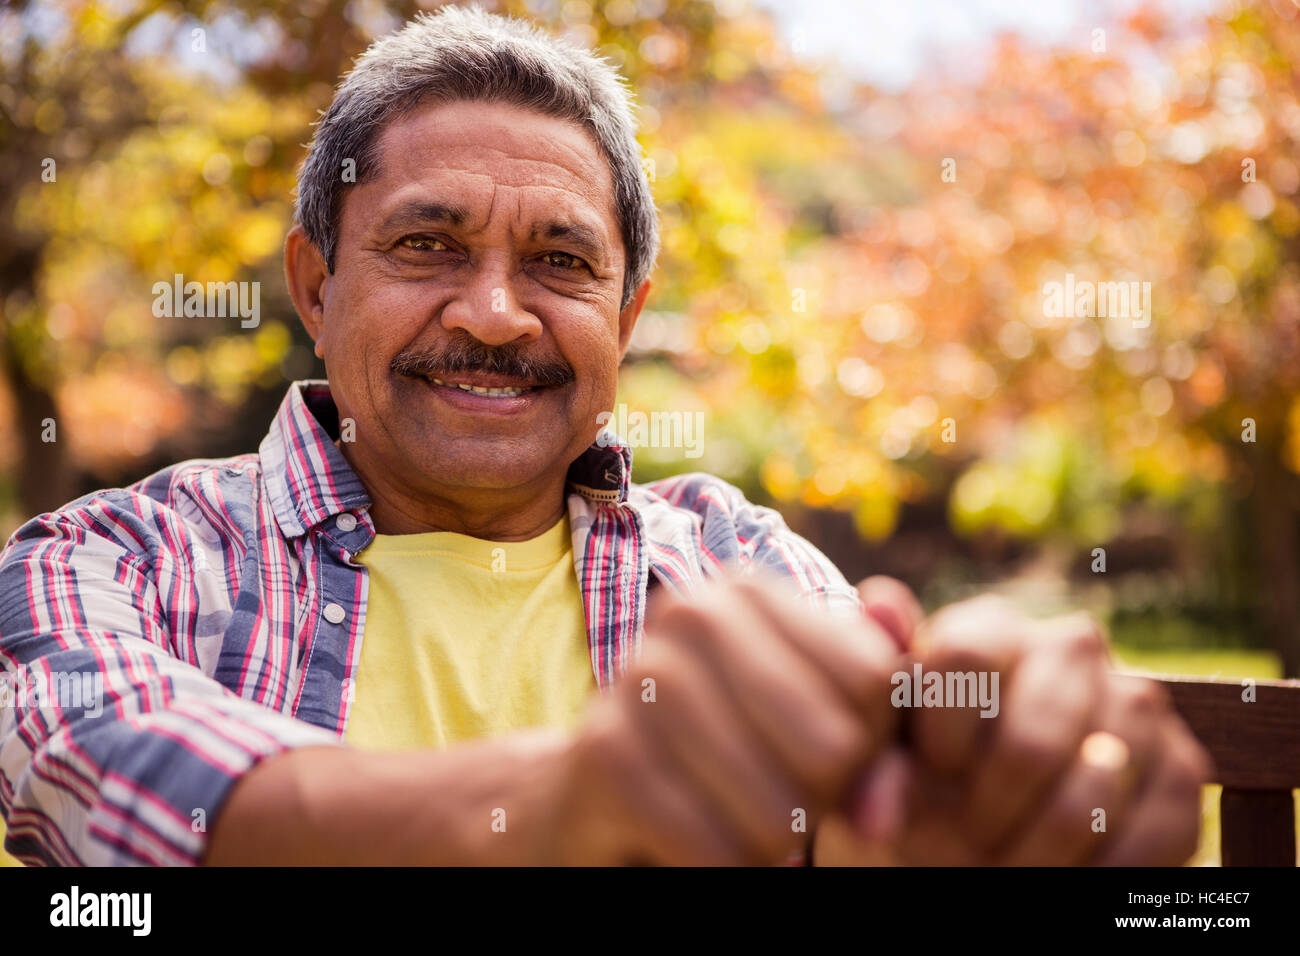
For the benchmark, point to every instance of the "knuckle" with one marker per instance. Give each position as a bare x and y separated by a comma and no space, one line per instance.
867,665
959,660
831,754
685,620
969,620
885,588
988,603
1140,698
671,670
1083,637
1032,755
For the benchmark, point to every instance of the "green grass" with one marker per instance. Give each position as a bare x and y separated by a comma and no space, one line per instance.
1262,665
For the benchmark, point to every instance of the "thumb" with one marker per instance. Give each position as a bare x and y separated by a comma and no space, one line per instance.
877,803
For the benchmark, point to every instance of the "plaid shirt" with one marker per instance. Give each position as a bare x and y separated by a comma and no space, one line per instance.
160,639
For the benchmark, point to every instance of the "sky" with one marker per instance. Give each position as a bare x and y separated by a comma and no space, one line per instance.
890,42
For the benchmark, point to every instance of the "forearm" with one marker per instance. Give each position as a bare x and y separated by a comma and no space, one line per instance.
483,803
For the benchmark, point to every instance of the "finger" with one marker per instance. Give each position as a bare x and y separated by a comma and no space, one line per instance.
981,636
932,835
697,724
856,656
877,804
792,706
978,623
838,843
1091,800
1162,827
675,828
1046,711
891,604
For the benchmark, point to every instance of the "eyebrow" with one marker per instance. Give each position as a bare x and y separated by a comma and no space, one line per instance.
422,213
582,236
418,213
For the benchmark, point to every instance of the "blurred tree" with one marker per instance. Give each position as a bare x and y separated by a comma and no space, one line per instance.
1076,168
141,141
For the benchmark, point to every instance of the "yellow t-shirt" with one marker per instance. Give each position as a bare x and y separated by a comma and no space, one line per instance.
467,638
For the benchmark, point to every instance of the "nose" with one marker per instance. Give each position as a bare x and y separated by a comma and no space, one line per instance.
487,307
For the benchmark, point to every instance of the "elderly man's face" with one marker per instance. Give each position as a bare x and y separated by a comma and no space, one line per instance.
472,326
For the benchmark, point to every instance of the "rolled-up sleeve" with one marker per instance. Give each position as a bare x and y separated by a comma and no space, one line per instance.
112,750
757,536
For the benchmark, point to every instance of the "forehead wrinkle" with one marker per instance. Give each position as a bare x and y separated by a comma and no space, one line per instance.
572,213
528,170
460,131
492,202
519,170
567,148
583,168
449,172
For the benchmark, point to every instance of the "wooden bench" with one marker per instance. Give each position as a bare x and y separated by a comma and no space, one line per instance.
1256,751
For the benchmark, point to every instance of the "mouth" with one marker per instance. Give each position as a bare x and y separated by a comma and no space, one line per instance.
479,394
490,391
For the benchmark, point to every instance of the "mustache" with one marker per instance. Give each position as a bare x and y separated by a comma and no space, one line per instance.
471,355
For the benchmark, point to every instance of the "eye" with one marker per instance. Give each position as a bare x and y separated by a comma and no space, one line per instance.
562,260
423,243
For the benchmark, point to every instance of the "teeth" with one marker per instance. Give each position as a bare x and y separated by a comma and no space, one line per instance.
479,390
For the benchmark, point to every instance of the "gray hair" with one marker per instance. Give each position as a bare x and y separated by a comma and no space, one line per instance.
468,54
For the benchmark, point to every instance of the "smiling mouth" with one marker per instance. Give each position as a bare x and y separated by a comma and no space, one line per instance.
488,390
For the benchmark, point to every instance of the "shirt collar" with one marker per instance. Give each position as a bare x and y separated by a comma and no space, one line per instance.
309,480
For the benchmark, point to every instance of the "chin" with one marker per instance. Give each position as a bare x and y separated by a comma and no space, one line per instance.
491,465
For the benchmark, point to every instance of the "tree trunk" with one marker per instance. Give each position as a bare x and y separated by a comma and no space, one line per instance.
1273,505
44,480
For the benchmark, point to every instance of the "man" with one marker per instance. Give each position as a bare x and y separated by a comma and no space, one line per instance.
418,626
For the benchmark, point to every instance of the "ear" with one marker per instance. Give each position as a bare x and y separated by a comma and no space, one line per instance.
627,318
308,279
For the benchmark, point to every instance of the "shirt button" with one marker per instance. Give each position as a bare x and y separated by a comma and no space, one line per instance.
334,613
345,522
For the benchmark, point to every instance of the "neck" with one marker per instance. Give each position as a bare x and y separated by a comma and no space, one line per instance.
513,514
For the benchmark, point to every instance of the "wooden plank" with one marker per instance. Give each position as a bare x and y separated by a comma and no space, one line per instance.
1255,744
1257,827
